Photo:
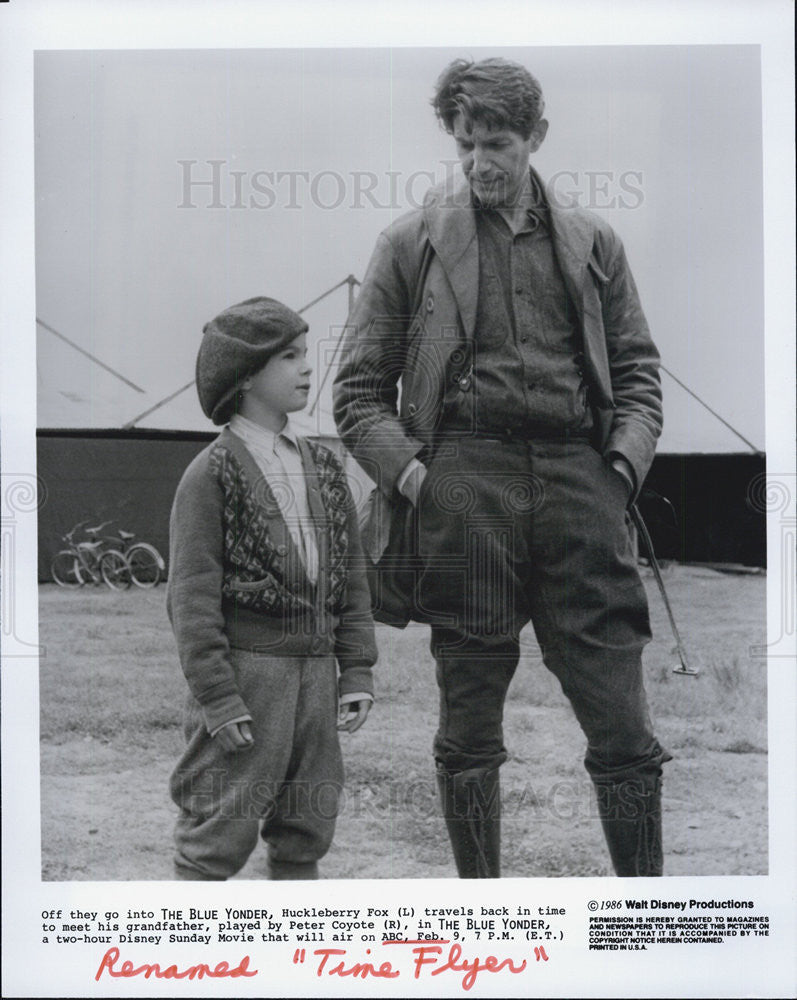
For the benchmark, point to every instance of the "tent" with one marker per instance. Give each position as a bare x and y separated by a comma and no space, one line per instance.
700,506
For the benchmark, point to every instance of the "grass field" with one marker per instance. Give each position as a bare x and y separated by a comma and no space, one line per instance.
111,695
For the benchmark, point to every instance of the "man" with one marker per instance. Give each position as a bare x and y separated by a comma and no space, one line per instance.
529,410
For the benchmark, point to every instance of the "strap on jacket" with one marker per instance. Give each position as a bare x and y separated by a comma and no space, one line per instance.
319,516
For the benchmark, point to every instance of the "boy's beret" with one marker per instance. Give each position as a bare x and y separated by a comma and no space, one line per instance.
238,342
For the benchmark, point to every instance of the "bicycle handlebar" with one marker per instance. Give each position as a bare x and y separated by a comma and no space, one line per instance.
69,536
98,529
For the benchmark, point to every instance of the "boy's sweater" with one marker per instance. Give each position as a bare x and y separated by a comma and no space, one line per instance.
237,579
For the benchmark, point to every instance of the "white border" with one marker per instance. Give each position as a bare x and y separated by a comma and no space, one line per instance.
29,970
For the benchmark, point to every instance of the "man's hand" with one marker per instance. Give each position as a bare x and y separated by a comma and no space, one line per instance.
235,736
352,714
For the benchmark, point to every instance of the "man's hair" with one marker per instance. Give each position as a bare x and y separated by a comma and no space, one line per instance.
495,92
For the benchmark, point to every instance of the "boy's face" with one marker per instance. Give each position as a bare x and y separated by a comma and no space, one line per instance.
282,385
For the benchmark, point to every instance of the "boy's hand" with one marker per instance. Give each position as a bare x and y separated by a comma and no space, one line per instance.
235,736
352,714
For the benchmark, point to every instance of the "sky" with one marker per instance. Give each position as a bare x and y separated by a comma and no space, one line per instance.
173,183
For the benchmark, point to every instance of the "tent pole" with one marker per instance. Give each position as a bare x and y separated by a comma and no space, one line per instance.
351,281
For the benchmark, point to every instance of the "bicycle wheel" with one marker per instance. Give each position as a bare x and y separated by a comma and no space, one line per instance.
88,564
115,570
145,565
64,570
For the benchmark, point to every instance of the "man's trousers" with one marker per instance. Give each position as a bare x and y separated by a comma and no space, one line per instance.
512,531
285,788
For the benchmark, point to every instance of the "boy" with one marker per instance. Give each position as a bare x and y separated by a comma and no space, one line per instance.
266,591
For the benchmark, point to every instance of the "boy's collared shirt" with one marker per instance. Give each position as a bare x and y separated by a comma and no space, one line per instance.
277,456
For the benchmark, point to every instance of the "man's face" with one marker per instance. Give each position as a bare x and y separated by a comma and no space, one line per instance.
495,161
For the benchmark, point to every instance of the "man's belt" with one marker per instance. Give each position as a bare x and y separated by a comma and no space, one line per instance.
511,435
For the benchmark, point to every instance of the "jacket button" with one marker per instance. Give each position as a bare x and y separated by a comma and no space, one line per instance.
430,304
282,550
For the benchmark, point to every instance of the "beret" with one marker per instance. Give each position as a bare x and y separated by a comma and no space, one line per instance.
238,342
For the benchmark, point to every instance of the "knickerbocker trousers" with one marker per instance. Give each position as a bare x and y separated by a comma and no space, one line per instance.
512,531
286,788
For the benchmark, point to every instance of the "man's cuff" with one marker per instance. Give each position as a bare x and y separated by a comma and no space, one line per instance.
621,465
408,470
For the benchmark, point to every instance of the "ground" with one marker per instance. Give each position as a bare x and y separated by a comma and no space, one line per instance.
111,694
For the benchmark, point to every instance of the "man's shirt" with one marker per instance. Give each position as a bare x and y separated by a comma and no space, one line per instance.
527,373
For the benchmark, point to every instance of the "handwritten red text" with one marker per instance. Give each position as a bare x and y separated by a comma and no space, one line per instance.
127,970
428,957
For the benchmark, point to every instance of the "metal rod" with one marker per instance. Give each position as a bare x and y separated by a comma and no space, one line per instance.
750,445
641,527
351,281
91,357
323,295
132,423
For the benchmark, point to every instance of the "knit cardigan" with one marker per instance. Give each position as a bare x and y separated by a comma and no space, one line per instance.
236,578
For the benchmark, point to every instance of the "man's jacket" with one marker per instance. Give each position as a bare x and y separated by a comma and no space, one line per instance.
413,324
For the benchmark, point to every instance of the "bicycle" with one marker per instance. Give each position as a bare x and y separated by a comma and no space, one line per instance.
147,565
89,562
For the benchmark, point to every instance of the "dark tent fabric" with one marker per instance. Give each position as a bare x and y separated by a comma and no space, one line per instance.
718,514
129,477
125,477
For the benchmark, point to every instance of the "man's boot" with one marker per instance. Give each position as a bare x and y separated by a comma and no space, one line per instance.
630,812
471,802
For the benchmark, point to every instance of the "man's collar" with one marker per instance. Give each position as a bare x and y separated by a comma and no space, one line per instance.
534,196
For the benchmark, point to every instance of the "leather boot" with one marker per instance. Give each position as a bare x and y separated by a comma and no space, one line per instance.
471,803
630,812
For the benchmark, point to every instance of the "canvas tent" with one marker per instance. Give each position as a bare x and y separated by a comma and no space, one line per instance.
128,474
